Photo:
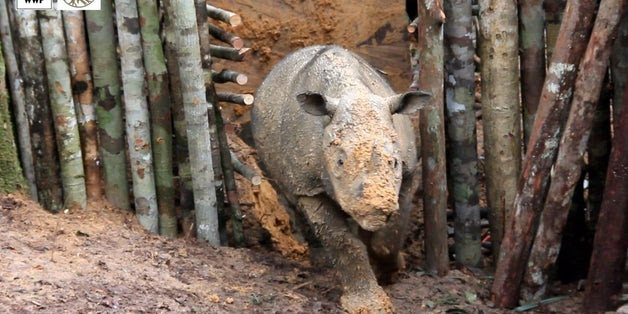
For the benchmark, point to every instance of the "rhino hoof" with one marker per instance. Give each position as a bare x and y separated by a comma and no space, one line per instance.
372,301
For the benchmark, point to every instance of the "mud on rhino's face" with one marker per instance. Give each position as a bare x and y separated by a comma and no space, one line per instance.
361,153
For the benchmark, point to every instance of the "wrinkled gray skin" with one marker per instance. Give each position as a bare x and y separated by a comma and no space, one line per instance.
326,128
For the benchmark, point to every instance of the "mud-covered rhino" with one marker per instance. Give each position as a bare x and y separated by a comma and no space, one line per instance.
326,127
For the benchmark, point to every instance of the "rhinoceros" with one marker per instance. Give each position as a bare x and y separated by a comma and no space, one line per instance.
330,131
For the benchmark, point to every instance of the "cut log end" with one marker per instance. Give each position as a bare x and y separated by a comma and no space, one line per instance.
235,20
242,79
237,43
248,99
256,180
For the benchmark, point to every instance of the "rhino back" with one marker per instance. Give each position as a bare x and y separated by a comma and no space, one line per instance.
288,139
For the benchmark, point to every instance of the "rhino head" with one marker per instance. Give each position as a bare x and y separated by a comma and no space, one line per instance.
361,151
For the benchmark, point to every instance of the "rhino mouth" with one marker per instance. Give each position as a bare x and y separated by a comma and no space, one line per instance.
373,219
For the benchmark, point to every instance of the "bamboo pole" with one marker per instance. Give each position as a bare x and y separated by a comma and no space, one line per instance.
136,114
461,134
82,88
50,193
501,116
102,45
63,113
532,45
223,15
196,108
19,102
606,271
542,148
226,37
240,99
430,50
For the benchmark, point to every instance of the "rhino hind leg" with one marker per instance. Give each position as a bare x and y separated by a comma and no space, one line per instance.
385,244
361,293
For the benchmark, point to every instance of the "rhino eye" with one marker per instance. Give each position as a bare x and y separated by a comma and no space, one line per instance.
340,162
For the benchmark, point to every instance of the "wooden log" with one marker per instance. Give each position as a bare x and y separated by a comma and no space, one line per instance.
229,53
226,37
531,191
501,117
223,15
532,47
430,50
225,76
573,144
606,270
19,102
240,99
202,23
83,90
245,170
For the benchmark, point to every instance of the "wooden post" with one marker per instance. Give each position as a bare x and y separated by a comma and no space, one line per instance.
41,127
569,160
83,91
432,120
606,270
19,103
542,148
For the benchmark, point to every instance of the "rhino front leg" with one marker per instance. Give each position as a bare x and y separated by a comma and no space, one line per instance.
386,243
361,293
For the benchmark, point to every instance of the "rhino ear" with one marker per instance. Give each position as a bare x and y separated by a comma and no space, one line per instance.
316,104
409,102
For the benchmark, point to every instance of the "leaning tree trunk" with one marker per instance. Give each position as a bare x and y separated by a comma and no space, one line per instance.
38,108
11,178
206,61
183,17
63,114
83,91
608,260
180,145
137,116
19,102
500,110
542,149
462,151
159,100
432,121
102,46
619,66
532,45
572,146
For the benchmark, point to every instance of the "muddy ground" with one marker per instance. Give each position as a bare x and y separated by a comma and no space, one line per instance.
101,261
